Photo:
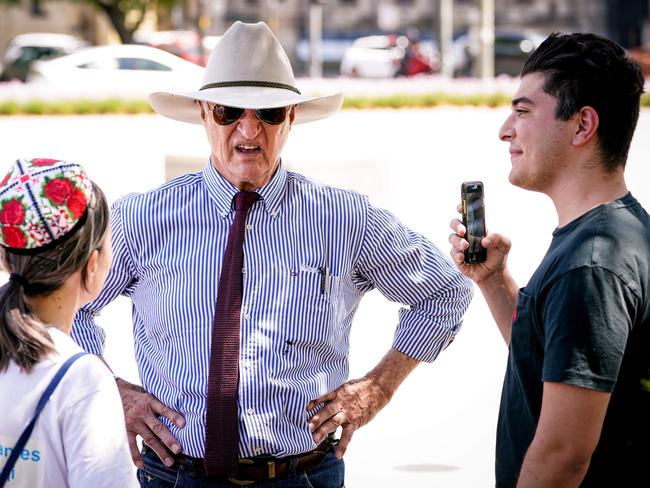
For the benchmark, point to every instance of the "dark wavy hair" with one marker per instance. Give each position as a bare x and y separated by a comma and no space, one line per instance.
589,70
23,337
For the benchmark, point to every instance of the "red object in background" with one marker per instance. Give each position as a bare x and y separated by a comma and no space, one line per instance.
185,44
642,56
418,64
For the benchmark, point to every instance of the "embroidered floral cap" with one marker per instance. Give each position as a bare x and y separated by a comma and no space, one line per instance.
42,202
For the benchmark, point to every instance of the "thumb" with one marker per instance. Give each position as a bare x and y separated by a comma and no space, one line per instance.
496,241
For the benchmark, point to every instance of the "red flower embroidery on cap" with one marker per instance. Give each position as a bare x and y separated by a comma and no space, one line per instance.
43,162
14,237
58,190
77,203
12,212
5,179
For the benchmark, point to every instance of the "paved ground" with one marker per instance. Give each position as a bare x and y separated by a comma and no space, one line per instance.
439,429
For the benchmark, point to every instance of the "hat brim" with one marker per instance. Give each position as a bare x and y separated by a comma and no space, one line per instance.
181,106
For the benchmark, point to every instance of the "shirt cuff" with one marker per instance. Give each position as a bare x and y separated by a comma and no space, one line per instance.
87,334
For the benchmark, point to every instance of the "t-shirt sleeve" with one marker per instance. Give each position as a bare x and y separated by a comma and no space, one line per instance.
587,320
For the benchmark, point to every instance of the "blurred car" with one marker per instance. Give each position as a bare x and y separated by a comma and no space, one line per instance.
125,68
24,49
332,50
511,49
387,56
186,44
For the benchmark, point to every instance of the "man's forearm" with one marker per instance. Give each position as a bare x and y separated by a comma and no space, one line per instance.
551,467
391,371
500,292
567,434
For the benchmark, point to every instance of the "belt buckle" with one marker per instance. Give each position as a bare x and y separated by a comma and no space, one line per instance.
271,472
241,482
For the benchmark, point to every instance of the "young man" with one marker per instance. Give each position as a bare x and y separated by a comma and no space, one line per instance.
575,402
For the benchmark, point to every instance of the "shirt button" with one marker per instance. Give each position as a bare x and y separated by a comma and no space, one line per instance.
247,316
243,271
249,227
250,411
247,364
258,450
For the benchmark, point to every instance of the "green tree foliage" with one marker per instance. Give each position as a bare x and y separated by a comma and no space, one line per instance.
124,15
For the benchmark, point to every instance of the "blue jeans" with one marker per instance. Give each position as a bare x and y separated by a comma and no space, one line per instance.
329,473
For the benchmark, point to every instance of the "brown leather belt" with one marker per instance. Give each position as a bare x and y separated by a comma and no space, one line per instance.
262,468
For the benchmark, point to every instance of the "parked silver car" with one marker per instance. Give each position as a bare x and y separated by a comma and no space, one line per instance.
24,49
511,49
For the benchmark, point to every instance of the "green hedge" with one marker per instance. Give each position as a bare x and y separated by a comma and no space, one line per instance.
116,106
75,107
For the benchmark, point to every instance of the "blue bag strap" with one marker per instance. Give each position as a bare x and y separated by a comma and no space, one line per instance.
24,437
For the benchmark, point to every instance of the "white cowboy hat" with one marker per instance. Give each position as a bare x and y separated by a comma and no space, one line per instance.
247,69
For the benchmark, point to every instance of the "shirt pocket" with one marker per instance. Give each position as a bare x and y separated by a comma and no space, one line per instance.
315,298
522,327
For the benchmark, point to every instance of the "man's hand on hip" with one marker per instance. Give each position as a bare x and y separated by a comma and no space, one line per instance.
351,406
141,413
355,403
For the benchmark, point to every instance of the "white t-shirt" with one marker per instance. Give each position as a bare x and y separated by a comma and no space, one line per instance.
79,439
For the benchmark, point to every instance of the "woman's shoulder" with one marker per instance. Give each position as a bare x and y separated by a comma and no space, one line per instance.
87,372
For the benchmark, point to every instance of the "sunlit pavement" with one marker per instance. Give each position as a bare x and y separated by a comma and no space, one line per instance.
439,429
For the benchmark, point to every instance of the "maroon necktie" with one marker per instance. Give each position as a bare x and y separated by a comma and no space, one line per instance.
221,422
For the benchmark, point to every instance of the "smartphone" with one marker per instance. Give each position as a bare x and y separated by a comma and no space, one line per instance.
472,199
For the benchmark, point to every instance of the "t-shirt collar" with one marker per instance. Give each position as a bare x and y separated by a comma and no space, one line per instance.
625,201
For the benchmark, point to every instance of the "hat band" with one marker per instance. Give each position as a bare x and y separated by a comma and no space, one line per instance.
261,84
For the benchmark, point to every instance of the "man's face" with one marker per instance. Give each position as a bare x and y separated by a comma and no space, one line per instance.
246,152
539,142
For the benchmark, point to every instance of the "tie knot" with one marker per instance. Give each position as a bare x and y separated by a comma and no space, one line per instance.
244,200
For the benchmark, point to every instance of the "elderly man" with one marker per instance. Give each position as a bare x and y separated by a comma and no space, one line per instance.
575,402
244,280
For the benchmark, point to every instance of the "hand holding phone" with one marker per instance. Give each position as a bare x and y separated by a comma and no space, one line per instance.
473,204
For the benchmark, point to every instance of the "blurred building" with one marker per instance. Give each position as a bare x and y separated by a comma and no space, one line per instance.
626,21
63,17
609,17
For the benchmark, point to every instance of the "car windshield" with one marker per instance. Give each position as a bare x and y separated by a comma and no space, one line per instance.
140,64
33,53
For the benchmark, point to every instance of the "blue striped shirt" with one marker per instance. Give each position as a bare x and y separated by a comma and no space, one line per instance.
168,245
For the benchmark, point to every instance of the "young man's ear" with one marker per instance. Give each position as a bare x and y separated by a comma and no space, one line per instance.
587,121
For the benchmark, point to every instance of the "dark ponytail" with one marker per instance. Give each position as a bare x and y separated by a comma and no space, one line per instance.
23,337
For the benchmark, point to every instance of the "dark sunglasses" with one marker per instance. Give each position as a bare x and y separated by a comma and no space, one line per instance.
224,115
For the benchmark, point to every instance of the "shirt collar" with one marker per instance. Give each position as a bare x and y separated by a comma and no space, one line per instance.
221,191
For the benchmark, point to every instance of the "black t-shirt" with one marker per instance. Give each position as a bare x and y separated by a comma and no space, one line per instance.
584,319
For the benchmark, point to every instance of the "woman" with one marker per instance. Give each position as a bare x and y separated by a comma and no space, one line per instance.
55,243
